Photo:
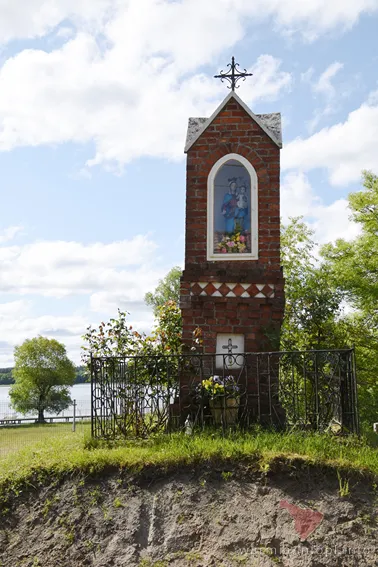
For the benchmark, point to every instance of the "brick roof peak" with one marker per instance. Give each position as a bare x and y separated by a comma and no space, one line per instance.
270,123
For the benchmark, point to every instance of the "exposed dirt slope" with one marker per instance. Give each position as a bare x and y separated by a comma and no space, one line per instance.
196,518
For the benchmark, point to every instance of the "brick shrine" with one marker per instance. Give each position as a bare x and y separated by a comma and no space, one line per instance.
224,292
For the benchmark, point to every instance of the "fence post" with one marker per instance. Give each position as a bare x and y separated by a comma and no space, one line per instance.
74,417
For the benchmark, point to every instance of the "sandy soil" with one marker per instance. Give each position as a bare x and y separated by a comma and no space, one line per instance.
194,518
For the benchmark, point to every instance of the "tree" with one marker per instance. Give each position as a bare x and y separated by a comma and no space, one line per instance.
312,305
361,332
354,264
42,375
167,335
168,289
6,376
353,267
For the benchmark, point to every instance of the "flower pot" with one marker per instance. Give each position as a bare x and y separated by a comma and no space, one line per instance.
224,410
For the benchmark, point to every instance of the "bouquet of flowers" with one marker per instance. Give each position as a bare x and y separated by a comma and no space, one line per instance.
233,243
219,387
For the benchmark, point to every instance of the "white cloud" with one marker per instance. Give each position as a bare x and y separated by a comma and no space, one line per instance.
268,80
17,324
307,75
108,276
328,221
311,18
83,91
20,19
9,233
13,310
344,149
323,89
35,18
77,93
60,269
332,222
324,84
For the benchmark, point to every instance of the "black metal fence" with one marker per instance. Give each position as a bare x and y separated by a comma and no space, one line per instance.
310,390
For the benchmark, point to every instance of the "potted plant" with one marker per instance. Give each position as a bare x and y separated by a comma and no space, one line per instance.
223,395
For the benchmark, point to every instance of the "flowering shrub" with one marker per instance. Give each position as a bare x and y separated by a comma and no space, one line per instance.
233,243
218,386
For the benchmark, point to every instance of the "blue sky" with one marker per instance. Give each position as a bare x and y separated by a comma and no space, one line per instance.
94,101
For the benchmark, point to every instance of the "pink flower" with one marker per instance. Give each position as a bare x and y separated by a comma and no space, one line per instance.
231,244
224,251
242,239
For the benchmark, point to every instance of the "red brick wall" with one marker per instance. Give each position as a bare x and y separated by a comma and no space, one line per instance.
233,131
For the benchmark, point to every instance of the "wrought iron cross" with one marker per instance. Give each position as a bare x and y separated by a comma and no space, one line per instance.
230,347
233,75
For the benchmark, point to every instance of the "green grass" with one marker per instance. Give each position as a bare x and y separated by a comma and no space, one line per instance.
67,453
13,439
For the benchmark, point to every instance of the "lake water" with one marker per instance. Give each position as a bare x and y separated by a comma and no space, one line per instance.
79,392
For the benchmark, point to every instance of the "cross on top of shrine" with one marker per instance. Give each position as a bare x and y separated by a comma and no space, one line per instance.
233,75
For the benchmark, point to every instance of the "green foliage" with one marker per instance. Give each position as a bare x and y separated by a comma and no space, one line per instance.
227,475
313,305
146,363
168,289
42,375
114,338
166,338
353,269
317,287
355,263
117,503
81,375
360,330
117,338
149,563
343,485
6,376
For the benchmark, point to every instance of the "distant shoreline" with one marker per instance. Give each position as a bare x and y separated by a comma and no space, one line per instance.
6,376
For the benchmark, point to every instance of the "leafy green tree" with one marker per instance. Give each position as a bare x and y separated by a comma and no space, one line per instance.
313,305
168,289
354,263
361,332
353,266
81,375
166,338
6,376
42,374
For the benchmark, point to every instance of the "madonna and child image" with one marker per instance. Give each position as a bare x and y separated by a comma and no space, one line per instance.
232,219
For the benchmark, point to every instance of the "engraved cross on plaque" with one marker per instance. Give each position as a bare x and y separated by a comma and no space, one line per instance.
230,347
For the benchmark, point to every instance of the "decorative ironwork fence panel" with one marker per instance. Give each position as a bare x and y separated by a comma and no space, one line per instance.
138,396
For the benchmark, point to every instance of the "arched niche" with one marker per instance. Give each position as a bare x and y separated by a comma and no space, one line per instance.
232,220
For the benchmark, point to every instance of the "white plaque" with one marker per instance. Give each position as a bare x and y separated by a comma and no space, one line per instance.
228,348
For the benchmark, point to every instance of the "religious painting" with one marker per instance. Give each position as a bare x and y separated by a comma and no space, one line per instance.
232,209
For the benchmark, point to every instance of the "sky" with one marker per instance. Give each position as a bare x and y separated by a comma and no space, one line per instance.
94,101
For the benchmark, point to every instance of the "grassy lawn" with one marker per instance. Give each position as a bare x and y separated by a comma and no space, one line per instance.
13,439
55,450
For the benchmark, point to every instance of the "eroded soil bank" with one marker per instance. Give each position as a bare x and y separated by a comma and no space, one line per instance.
219,517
